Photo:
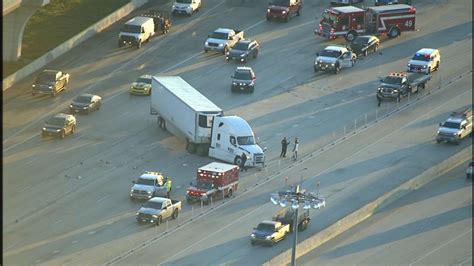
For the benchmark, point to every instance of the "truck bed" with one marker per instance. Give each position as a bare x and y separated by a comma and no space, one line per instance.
415,79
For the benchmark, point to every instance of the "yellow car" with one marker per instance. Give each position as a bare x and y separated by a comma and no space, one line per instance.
141,86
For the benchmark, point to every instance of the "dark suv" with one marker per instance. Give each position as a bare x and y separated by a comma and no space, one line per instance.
50,82
243,80
243,50
284,9
59,125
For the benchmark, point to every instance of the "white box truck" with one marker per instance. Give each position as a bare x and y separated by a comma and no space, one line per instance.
187,114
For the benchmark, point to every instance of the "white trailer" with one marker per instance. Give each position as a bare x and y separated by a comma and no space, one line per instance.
186,113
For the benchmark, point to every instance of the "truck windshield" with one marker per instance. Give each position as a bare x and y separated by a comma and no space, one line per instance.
146,182
392,80
452,125
266,227
184,1
219,35
46,78
152,205
131,28
249,140
421,57
56,121
203,185
330,53
280,2
329,18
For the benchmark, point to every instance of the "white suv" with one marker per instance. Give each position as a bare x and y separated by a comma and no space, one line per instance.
186,7
425,60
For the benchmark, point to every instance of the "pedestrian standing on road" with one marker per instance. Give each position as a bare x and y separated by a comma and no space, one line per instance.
168,187
295,149
284,145
242,163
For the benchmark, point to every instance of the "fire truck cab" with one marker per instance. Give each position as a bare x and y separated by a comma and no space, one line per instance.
350,21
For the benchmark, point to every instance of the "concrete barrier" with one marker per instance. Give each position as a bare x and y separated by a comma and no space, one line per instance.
367,210
71,43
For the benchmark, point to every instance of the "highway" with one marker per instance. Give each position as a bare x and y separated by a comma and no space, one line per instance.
66,201
430,226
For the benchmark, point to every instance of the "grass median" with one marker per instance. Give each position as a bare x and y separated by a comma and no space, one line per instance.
57,22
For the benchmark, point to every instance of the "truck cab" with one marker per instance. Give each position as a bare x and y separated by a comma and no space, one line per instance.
333,58
269,232
148,185
232,136
456,127
284,9
338,21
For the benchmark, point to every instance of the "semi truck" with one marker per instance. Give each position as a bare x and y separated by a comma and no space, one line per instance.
186,113
213,181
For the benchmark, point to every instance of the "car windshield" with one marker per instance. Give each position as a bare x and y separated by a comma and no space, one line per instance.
82,99
242,75
203,185
266,227
152,205
280,2
452,125
46,78
249,140
146,182
219,35
143,80
392,80
421,57
131,28
56,121
329,18
361,40
242,46
184,1
330,53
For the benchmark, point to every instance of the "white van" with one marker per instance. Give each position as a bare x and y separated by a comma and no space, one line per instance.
136,31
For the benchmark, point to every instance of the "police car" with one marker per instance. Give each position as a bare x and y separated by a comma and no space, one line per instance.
425,61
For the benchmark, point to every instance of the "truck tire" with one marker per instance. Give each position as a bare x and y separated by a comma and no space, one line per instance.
226,49
63,134
337,69
287,19
229,194
437,66
191,147
73,129
139,44
175,214
237,160
298,13
394,32
202,150
351,35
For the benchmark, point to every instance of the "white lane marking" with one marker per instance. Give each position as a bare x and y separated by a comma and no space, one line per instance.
436,249
25,188
101,199
21,142
58,221
208,236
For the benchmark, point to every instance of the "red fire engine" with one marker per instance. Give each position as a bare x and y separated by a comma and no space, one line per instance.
349,21
214,180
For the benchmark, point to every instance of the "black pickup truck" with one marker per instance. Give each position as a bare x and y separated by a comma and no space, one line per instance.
50,82
396,85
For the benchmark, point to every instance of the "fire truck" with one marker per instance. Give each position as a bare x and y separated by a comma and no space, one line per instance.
213,181
350,21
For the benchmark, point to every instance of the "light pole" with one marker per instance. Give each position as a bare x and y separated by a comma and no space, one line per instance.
296,197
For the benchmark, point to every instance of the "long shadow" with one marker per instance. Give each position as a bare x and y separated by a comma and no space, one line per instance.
405,231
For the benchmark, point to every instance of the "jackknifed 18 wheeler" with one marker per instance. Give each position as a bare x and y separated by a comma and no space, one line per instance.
186,113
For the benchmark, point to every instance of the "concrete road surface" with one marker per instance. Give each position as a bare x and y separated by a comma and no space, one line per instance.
431,226
67,201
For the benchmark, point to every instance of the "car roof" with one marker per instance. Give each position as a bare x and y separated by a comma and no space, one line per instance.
335,48
269,222
158,199
87,95
62,115
150,175
50,71
348,9
426,51
146,76
244,69
138,21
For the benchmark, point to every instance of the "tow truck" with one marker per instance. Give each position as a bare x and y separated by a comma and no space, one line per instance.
350,21
396,85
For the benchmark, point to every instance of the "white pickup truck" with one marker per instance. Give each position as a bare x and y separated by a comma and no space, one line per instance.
222,40
156,210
